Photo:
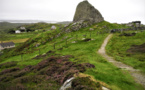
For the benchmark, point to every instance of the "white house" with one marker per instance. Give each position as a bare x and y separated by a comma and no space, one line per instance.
23,28
53,27
17,31
7,45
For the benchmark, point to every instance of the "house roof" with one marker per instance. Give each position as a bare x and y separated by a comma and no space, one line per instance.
7,44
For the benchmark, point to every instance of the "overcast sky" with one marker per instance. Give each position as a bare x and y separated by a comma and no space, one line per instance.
120,11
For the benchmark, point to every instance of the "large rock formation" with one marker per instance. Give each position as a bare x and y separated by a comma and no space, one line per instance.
85,11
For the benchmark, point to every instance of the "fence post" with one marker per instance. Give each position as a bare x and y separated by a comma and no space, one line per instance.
76,37
39,51
21,57
54,46
121,30
71,35
66,41
97,32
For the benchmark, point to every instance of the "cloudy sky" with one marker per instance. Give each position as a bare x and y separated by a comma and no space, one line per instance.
120,11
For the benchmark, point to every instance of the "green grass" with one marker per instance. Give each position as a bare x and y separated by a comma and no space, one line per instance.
19,36
84,52
119,45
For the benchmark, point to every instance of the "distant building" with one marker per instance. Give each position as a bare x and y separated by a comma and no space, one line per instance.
7,45
53,27
17,31
23,28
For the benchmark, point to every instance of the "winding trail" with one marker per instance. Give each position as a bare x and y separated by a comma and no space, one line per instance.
138,76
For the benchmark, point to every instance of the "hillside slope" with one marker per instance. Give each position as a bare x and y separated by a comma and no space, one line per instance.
47,52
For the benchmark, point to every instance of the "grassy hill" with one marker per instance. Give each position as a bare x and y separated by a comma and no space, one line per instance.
6,26
32,30
11,27
49,58
41,26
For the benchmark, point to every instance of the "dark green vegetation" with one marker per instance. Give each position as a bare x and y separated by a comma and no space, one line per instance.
129,48
38,52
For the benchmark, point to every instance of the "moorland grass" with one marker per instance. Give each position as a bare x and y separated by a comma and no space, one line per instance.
86,52
118,47
83,52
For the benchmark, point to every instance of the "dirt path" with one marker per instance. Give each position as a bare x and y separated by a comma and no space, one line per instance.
140,78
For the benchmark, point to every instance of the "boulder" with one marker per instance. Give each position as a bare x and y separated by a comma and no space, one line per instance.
85,11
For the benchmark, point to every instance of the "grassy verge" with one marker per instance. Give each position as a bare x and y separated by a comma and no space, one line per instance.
118,47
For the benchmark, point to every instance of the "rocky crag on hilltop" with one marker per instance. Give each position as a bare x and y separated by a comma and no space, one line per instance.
85,11
85,16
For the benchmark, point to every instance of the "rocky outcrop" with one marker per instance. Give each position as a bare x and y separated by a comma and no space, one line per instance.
85,16
85,11
76,26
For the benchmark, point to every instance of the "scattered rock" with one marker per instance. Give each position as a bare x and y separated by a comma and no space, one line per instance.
87,39
74,42
37,45
91,29
67,84
83,38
